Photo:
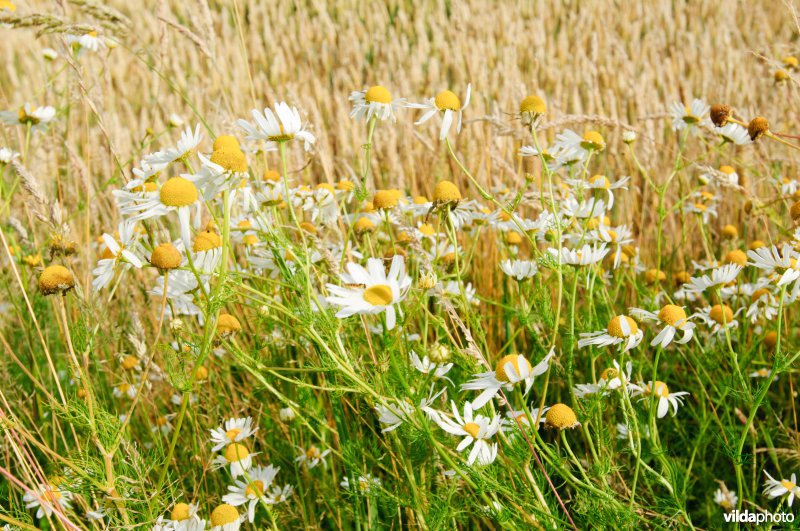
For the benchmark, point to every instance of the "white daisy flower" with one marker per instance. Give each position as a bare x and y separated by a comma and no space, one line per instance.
7,155
281,125
375,102
718,317
235,430
764,373
621,330
177,194
117,251
510,370
279,494
447,103
774,488
187,144
780,265
611,379
519,269
673,318
371,290
252,489
365,483
88,41
665,398
225,517
476,430
734,134
586,255
237,456
312,457
719,276
46,499
727,499
570,147
392,415
183,517
36,117
426,366
690,116
510,422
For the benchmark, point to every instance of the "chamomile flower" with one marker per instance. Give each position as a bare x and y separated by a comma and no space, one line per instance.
776,489
571,147
519,269
183,517
235,430
186,145
727,499
177,194
426,366
664,399
476,430
312,457
375,101
117,251
719,276
7,155
586,255
449,105
281,125
734,134
780,265
30,115
674,320
46,499
87,41
610,379
763,373
689,116
364,483
370,290
621,330
237,456
509,371
252,489
718,317
225,517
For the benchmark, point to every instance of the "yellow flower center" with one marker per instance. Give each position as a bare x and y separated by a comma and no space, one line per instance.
788,485
427,229
345,185
224,514
384,199
225,142
447,100
609,374
672,314
232,434
178,192
472,429
660,389
533,104
593,140
727,170
206,240
737,257
236,452
255,489
379,295
129,362
561,416
378,94
231,159
689,118
600,181
313,453
446,192
514,359
721,313
615,327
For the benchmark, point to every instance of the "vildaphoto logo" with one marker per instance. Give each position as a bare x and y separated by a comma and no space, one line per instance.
746,517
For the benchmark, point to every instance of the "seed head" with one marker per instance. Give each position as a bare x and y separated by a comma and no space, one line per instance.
720,114
730,232
757,127
227,325
56,279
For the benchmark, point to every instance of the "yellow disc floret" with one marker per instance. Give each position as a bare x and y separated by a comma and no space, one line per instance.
672,315
447,100
379,295
206,240
561,417
178,192
446,192
225,142
533,105
224,514
231,159
236,452
378,94
384,199
721,313
615,327
227,324
514,360
166,256
56,279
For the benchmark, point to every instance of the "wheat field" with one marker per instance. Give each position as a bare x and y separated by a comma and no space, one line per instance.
438,265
